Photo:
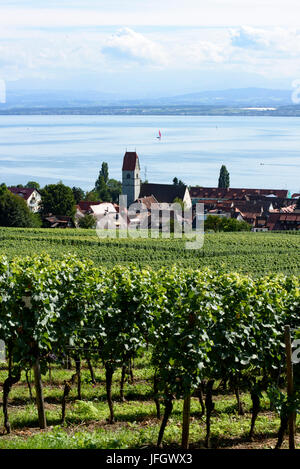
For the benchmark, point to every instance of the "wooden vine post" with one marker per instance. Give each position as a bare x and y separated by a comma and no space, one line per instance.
186,421
37,378
39,394
290,384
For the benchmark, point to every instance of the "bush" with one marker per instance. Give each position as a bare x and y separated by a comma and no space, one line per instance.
87,222
216,223
14,211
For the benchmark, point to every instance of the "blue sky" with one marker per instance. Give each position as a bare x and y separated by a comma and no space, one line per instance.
149,47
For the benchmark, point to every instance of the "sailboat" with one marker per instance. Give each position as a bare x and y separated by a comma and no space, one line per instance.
159,135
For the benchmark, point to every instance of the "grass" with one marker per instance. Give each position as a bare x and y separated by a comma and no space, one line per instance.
136,423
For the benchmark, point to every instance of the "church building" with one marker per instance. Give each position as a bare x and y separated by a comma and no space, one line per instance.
131,181
134,189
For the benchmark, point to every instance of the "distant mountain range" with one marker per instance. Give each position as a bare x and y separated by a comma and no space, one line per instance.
234,97
243,97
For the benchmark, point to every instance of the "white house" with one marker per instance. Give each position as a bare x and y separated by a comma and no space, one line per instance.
102,211
32,197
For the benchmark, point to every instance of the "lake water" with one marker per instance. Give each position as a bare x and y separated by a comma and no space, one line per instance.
71,148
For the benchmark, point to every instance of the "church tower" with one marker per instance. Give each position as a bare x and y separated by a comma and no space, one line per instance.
131,182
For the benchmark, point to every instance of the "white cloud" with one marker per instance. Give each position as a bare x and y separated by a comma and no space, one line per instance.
271,53
250,38
272,41
127,44
206,52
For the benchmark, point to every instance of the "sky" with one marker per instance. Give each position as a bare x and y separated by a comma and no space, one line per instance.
148,48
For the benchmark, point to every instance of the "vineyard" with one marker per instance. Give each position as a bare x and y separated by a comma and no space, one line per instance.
249,253
152,350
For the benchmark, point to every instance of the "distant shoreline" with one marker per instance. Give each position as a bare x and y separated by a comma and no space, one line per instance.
280,111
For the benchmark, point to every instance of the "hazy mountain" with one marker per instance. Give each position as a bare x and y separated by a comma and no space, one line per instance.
233,97
250,97
58,98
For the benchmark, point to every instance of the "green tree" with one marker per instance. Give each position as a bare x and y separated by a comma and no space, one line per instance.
104,171
32,185
101,186
92,196
14,211
78,194
58,199
102,189
115,189
179,201
224,178
88,221
107,190
178,182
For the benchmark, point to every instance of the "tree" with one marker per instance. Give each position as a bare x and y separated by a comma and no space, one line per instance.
104,172
32,185
107,190
78,194
179,201
58,199
177,182
101,184
224,178
92,196
102,189
88,221
14,211
115,189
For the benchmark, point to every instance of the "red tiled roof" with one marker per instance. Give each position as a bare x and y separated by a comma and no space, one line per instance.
85,205
215,192
147,201
130,161
22,192
289,217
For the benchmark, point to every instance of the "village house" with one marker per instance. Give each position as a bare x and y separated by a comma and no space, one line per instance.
106,213
200,194
58,221
263,209
32,197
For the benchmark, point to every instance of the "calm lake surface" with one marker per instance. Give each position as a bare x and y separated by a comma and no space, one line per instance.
71,148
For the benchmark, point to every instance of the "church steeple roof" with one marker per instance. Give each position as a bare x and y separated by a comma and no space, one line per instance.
130,161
